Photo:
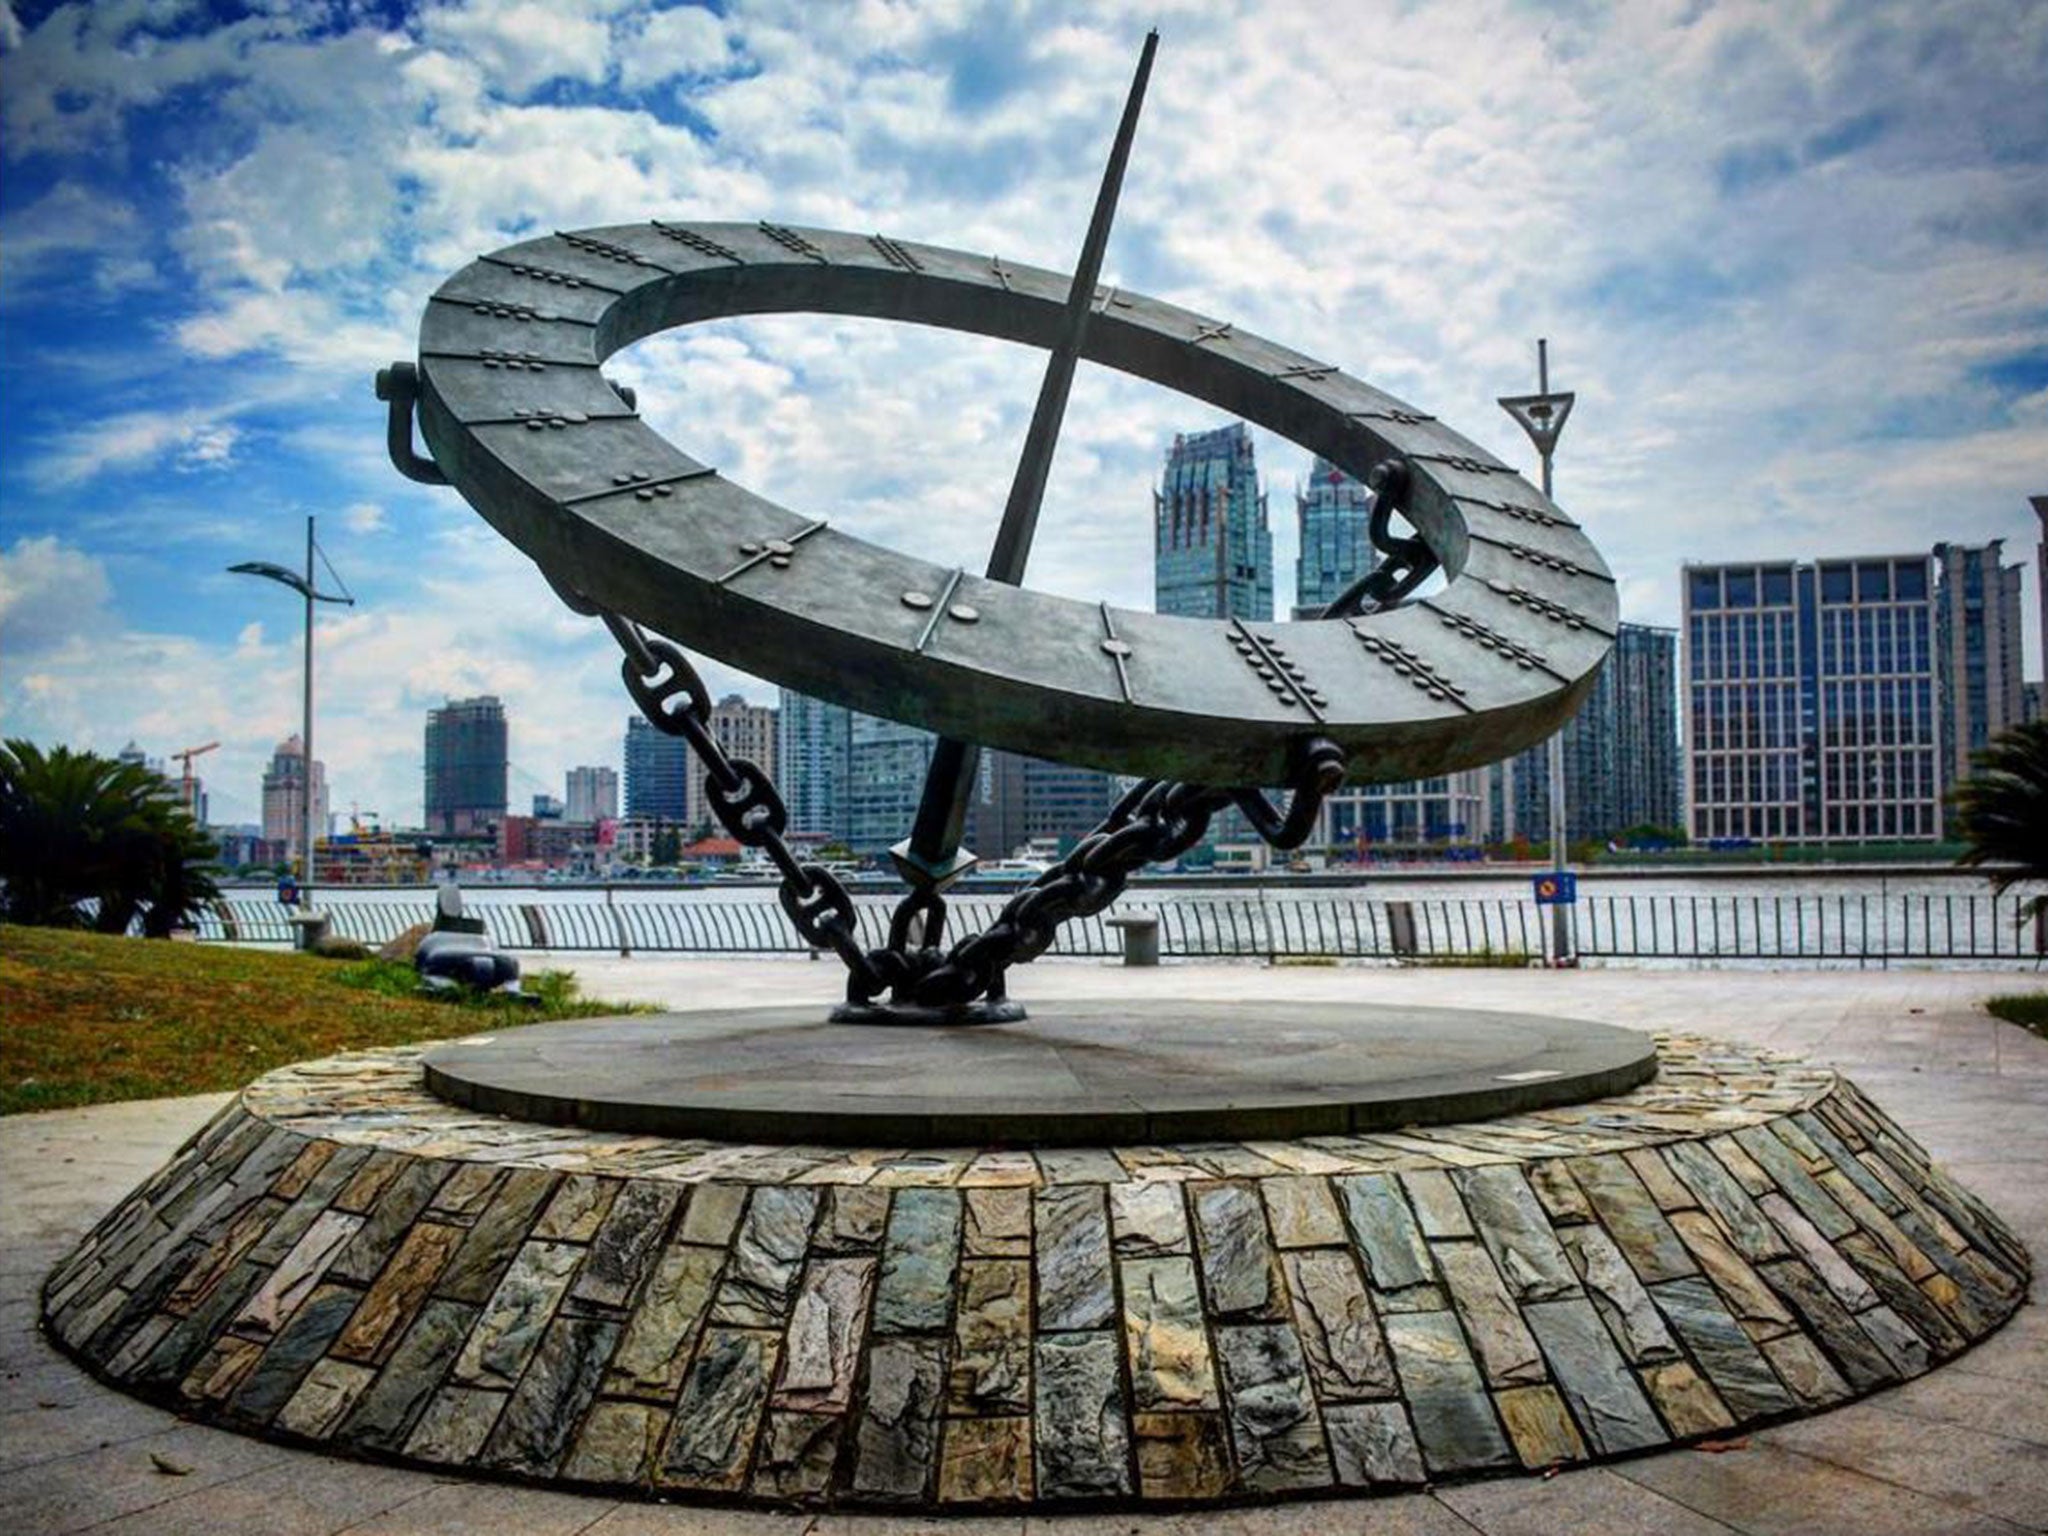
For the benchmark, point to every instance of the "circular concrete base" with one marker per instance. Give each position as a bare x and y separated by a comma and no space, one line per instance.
1073,1074
343,1260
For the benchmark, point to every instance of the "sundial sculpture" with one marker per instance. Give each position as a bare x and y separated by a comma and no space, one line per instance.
517,415
835,1266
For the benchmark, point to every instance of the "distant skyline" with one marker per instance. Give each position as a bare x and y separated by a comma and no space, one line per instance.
1788,255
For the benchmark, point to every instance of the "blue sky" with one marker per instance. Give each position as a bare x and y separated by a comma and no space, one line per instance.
1789,255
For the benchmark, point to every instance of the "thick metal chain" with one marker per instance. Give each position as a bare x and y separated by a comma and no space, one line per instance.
1405,562
675,701
1154,822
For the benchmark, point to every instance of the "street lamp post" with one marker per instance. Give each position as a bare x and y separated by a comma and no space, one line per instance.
1542,415
306,588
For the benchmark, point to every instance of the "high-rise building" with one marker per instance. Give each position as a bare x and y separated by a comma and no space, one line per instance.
1621,765
284,797
592,795
1811,705
1212,547
813,742
1978,635
1334,513
466,761
742,730
2034,700
657,772
1018,800
886,764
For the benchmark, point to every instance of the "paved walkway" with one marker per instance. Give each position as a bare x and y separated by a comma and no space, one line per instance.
1963,1450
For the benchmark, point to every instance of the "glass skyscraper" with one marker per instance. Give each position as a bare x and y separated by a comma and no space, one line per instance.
813,747
885,780
1212,546
658,772
1620,751
1333,512
1978,626
1811,701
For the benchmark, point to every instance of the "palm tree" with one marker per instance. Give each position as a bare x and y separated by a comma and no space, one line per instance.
2002,810
77,828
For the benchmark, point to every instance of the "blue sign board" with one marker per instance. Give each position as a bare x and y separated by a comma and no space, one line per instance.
1558,888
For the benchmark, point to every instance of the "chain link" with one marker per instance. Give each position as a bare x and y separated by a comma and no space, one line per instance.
675,701
1155,822
1406,562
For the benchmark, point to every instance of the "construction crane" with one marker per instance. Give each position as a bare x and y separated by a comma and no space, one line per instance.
187,792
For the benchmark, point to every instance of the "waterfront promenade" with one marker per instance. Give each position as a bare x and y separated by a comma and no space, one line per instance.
1962,1450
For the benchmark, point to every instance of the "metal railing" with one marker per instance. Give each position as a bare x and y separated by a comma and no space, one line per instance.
1860,929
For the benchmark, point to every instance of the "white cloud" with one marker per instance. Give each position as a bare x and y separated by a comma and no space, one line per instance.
522,44
365,517
685,40
49,591
69,227
189,439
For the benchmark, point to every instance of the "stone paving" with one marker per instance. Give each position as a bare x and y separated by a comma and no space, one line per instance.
1956,1431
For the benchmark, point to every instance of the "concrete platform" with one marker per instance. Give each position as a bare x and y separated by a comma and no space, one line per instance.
1960,1451
1076,1073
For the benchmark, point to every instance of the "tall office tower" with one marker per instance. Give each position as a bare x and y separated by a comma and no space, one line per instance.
1019,800
1333,512
812,743
1062,803
284,797
886,763
2034,699
466,759
1811,710
592,795
743,730
657,772
1212,548
1648,778
1621,766
1977,630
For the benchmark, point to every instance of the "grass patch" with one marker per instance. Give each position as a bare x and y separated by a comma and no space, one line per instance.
2029,1010
90,1019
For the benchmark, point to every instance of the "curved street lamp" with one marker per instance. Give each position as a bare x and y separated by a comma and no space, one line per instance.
305,587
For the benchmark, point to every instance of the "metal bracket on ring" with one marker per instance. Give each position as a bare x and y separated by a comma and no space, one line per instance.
400,386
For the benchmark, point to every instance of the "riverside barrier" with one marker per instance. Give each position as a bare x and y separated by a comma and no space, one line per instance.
1925,927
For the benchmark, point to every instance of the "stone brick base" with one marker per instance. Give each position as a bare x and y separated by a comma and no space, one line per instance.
341,1259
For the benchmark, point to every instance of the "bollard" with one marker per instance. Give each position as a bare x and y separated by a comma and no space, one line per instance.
1141,938
1401,927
